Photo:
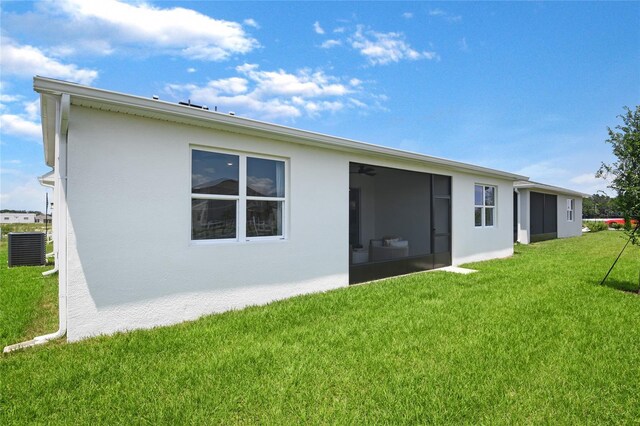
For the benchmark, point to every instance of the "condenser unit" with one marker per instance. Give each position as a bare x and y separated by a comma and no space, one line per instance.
26,248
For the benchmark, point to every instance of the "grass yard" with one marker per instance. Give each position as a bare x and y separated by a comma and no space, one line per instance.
28,301
532,339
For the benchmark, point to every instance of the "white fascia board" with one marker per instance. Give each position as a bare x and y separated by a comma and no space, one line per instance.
527,184
48,107
104,99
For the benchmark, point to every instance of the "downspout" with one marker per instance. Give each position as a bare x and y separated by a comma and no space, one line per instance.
54,238
60,173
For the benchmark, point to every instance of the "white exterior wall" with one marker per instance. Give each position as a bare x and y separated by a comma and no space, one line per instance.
471,243
131,263
524,236
565,228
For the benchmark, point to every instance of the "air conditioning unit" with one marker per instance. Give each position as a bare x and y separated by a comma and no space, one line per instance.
26,249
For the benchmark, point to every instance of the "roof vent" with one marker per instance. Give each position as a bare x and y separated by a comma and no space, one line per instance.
232,113
156,97
189,104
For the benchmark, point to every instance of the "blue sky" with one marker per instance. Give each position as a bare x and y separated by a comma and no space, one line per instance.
518,86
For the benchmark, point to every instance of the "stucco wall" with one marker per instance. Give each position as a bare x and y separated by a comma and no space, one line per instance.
566,228
525,211
471,243
131,263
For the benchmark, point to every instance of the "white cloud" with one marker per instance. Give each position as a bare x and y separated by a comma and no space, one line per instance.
28,194
445,15
276,94
32,110
544,171
384,48
17,125
191,70
317,28
585,178
407,15
328,44
554,172
175,30
339,30
463,44
233,85
9,98
304,83
26,61
590,184
251,23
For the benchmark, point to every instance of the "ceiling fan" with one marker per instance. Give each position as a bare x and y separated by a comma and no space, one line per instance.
365,170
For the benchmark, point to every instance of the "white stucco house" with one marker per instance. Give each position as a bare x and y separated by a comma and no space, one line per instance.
17,218
203,212
543,212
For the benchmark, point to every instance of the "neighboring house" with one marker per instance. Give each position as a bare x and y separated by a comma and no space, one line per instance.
543,212
41,218
203,212
17,218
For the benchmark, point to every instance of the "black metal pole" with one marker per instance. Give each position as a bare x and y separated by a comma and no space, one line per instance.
617,258
46,215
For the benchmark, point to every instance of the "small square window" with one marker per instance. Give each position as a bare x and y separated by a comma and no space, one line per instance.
213,219
264,218
265,178
214,173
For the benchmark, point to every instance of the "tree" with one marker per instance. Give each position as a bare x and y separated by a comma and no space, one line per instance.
599,206
625,172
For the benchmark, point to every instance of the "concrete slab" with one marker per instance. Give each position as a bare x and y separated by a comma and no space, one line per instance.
455,270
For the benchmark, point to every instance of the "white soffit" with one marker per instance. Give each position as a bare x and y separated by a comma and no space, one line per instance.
150,108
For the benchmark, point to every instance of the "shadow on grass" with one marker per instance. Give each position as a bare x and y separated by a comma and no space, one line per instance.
626,286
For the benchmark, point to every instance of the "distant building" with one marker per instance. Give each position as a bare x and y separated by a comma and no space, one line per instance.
41,218
18,218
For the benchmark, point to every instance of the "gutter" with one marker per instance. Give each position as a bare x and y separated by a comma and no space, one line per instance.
60,247
128,104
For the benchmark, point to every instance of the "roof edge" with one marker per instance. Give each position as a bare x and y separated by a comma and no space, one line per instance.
528,184
44,85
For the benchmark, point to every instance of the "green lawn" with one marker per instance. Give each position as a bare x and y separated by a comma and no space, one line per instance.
28,301
528,340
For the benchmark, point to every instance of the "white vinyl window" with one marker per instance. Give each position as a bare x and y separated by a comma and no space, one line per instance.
236,197
571,208
485,205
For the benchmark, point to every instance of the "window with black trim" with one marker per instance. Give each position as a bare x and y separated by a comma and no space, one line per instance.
236,197
485,205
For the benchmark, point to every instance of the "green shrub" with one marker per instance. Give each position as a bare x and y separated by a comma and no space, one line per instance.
616,225
595,226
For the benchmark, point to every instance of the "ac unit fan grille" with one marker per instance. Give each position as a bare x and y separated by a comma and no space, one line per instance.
26,249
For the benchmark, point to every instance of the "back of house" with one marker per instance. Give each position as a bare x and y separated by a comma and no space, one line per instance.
167,212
